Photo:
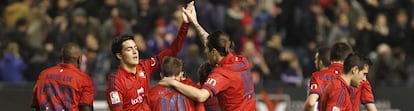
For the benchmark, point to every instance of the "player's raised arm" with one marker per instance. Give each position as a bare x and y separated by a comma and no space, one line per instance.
190,12
178,42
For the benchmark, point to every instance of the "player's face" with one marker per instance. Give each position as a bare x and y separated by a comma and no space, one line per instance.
210,55
359,76
129,53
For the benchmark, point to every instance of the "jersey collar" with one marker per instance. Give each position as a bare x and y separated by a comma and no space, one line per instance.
337,67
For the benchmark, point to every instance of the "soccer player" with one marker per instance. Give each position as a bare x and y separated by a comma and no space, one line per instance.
339,92
212,104
64,87
230,80
162,98
319,79
364,95
127,88
322,58
321,63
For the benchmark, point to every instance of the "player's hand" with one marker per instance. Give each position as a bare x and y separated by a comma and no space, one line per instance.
167,82
190,11
185,18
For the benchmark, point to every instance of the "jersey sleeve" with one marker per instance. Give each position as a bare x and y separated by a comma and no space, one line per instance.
87,92
314,86
366,93
200,107
216,83
114,94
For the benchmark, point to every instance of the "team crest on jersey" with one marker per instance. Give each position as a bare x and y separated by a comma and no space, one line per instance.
153,62
142,74
114,97
314,86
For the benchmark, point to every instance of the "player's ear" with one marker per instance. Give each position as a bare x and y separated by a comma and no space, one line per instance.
354,69
162,75
181,74
118,55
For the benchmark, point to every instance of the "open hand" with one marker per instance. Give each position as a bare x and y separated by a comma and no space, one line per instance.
190,12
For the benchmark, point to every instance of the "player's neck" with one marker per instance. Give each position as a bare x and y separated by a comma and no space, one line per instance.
347,78
129,68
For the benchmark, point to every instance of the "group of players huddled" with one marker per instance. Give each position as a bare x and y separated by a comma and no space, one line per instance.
224,79
340,84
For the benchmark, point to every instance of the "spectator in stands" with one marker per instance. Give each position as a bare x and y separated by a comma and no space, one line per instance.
292,74
12,65
19,36
19,9
142,47
83,25
340,31
146,17
363,35
97,61
381,30
271,55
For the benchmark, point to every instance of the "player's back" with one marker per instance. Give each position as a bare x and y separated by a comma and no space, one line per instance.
337,96
320,79
62,87
237,92
162,98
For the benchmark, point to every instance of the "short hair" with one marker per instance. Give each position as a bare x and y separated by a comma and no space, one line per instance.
221,42
324,55
340,51
117,44
171,66
203,71
71,52
356,59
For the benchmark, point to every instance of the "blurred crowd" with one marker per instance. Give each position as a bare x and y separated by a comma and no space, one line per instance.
278,36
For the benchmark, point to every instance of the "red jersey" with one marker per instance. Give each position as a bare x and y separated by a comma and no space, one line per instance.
319,79
62,87
162,98
362,94
212,104
337,96
231,82
127,91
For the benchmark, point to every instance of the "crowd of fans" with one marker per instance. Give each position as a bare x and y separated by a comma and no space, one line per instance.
278,36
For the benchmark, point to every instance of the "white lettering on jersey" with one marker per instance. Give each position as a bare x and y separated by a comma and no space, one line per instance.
314,86
211,81
139,99
114,97
336,109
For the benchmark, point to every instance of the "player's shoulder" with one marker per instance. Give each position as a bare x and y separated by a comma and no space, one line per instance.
154,89
152,61
53,69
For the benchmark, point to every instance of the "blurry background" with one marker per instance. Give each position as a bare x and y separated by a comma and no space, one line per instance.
278,36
